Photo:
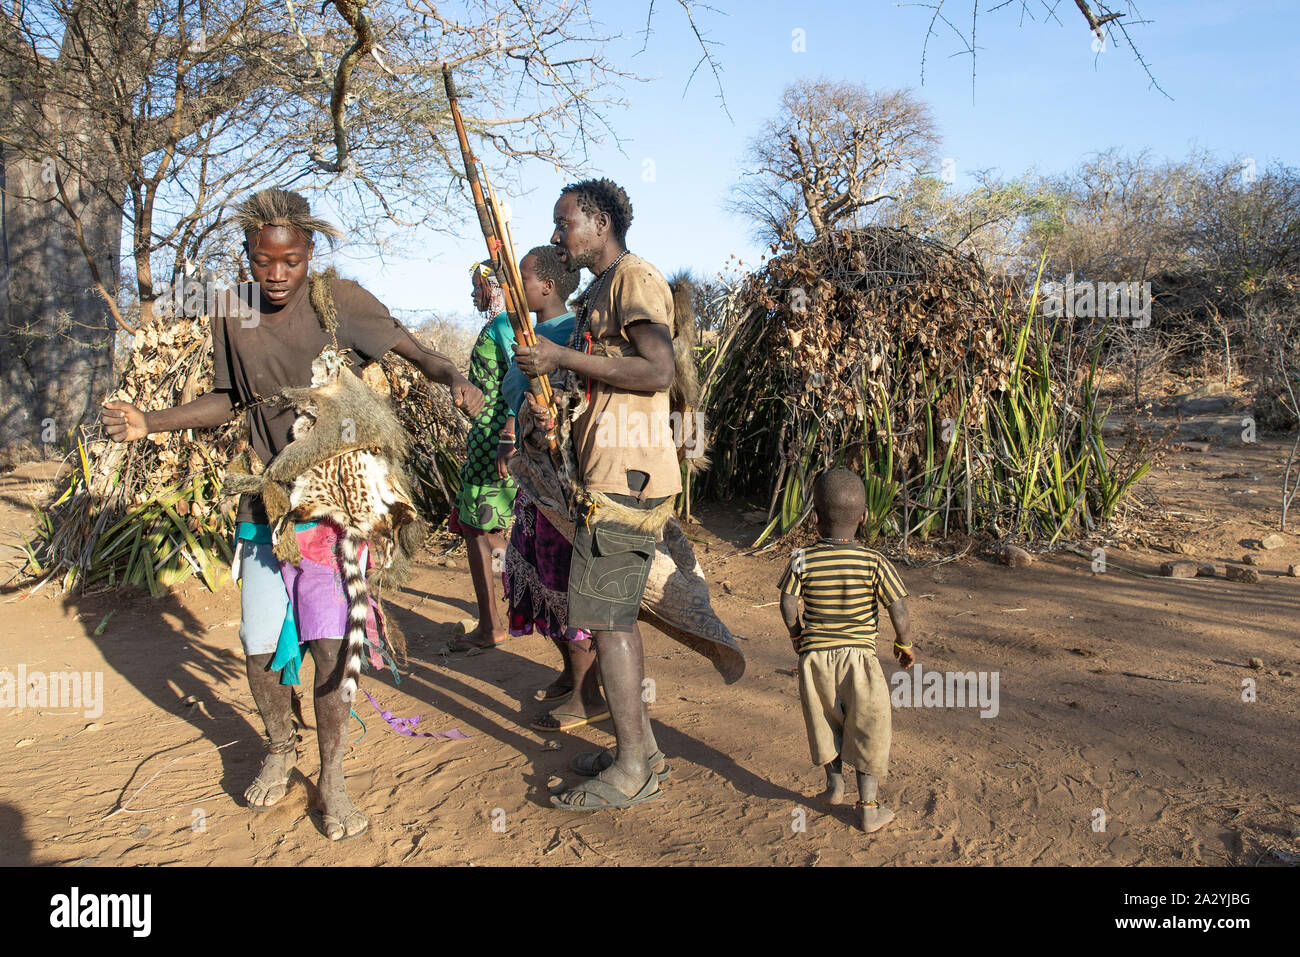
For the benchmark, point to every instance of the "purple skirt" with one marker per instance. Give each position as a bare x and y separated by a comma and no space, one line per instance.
315,585
535,576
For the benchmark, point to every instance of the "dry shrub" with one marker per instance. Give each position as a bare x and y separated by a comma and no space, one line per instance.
152,512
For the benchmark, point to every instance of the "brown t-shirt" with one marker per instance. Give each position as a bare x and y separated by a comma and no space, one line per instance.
622,431
257,356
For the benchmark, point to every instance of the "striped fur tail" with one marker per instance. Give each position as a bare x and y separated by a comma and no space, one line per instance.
358,595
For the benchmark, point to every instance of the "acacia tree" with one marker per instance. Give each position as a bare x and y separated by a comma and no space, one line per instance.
107,105
144,119
834,154
989,220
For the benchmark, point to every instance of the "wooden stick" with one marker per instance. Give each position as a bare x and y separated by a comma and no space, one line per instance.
501,253
1136,674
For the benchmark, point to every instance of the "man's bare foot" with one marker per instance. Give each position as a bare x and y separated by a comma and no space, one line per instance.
873,816
272,782
834,793
342,819
478,638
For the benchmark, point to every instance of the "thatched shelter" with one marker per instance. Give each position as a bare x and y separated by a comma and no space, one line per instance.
901,359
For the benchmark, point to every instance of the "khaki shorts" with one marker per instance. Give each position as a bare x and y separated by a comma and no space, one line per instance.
846,708
608,572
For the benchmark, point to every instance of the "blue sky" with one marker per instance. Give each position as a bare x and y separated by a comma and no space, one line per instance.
1042,99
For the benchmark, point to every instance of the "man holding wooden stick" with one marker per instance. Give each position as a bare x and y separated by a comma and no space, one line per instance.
621,357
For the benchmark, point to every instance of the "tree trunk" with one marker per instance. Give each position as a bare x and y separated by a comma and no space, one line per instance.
56,329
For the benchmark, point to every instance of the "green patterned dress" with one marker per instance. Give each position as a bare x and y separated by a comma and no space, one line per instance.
486,502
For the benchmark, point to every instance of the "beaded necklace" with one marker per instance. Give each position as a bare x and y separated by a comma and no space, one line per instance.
582,328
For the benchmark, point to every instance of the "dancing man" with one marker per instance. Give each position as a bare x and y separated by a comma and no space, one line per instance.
254,359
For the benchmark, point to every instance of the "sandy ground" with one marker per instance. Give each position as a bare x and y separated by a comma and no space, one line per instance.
1083,763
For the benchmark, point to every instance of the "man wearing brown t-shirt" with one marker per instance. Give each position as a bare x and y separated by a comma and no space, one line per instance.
622,355
258,352
628,430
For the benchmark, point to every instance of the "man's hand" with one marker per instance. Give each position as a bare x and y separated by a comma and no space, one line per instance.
466,396
541,358
124,422
540,422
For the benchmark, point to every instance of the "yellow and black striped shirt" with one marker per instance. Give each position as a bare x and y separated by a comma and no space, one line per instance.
843,586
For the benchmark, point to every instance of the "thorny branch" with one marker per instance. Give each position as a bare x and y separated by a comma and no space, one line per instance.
1101,21
705,55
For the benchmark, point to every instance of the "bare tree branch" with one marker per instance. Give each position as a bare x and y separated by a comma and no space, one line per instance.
1101,23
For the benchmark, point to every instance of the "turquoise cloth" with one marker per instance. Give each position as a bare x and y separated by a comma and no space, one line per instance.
288,653
502,333
515,384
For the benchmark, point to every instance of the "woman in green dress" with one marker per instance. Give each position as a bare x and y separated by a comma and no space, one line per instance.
486,501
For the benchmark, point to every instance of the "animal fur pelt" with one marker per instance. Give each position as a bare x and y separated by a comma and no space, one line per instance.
322,302
342,415
684,395
349,416
676,597
685,392
569,405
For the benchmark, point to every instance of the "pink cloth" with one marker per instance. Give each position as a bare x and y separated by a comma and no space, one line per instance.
320,604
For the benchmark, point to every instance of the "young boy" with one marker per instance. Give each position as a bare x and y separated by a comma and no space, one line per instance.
845,696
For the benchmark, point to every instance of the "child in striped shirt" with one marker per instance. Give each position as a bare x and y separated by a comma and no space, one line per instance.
845,697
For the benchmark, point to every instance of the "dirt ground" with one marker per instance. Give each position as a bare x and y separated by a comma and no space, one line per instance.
1117,691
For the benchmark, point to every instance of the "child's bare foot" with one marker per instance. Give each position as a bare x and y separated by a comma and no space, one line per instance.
834,793
873,816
